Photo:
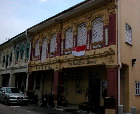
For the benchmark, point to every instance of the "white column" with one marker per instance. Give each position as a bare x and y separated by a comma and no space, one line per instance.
12,80
27,80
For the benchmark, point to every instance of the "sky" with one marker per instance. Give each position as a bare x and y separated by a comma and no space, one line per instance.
18,15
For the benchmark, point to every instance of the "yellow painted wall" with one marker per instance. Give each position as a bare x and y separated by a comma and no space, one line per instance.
73,97
76,98
47,85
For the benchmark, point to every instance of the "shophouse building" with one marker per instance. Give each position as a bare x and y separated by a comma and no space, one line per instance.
57,69
88,53
14,59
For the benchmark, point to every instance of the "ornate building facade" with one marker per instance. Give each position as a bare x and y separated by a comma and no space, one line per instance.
86,53
55,69
14,60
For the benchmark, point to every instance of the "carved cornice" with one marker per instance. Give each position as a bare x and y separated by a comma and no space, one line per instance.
111,8
92,10
57,60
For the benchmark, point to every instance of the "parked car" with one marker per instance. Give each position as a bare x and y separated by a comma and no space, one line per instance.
10,95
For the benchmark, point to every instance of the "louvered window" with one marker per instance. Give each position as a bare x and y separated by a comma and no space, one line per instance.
22,54
137,83
97,30
53,43
82,35
3,62
69,38
27,52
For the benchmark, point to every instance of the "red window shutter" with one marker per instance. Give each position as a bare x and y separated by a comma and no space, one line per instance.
112,29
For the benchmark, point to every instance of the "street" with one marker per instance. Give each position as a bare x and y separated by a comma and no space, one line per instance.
30,109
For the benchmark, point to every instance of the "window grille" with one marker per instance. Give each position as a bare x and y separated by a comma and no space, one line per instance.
53,43
69,38
37,50
97,30
82,35
44,50
128,32
137,87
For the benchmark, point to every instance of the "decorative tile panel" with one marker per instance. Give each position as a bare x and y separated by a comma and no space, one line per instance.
106,36
82,35
62,46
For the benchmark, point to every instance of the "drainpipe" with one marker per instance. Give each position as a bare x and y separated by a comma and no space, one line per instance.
119,57
27,81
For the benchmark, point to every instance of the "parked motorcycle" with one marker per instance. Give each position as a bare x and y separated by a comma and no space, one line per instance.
33,98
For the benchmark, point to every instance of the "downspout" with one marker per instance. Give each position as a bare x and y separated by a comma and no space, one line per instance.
27,80
119,57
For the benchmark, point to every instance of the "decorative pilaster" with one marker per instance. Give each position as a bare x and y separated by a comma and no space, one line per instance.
112,86
12,80
74,40
88,39
29,81
40,47
112,81
58,40
48,47
62,46
58,84
105,36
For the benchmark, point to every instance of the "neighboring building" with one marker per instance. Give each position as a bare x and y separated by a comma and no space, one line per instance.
13,61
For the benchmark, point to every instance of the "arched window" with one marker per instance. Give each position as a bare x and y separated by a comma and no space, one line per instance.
82,35
37,50
97,30
44,50
53,43
69,38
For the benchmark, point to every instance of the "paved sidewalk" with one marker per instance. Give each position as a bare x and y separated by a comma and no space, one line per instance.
46,110
70,109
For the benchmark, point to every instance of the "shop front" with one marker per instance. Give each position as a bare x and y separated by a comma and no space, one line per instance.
90,79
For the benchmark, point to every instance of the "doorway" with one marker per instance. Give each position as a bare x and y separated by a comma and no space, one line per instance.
5,80
94,92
